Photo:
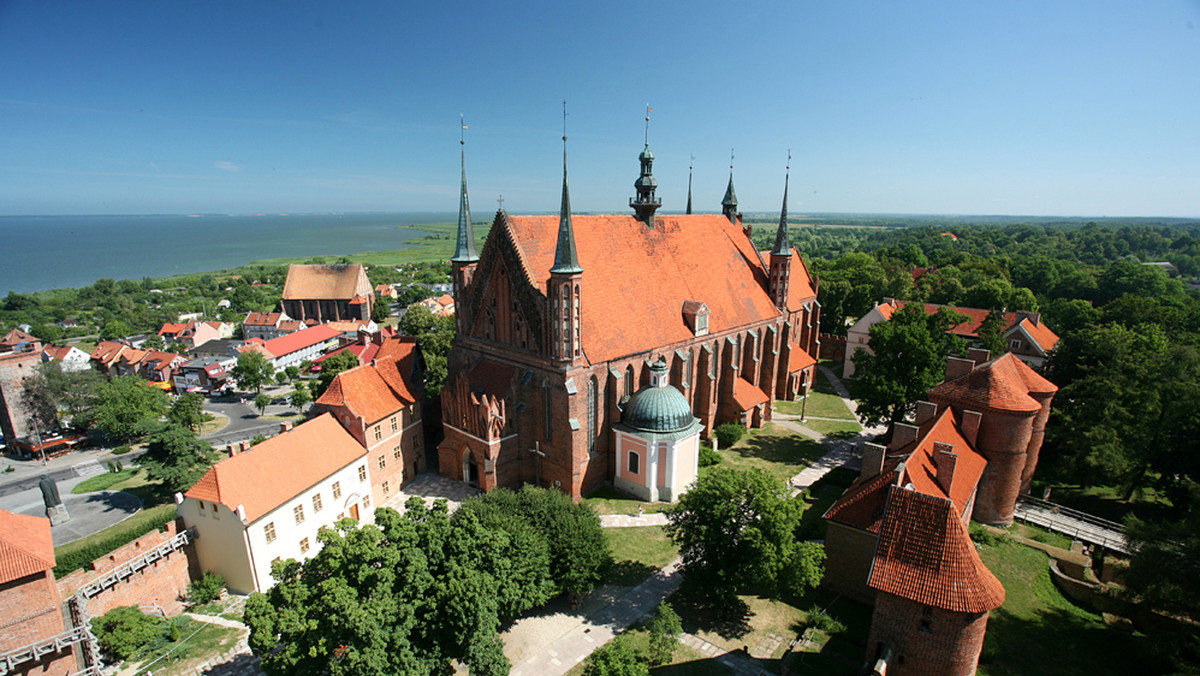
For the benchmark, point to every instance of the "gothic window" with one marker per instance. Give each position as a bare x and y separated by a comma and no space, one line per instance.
629,381
592,415
549,418
712,363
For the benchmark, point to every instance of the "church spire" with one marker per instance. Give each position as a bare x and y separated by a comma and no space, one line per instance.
782,247
565,259
645,204
729,204
690,165
464,251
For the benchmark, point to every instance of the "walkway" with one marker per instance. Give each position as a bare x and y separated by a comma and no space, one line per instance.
1072,523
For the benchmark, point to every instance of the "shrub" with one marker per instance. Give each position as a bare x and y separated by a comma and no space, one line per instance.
112,467
122,450
120,465
616,658
664,627
207,588
123,631
986,537
728,433
708,456
822,620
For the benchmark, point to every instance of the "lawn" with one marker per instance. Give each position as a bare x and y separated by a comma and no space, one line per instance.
608,500
823,402
684,661
102,482
637,553
1039,631
780,452
834,428
215,422
820,496
1106,502
198,642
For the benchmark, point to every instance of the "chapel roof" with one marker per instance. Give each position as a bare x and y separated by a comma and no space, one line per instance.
1002,384
279,468
701,257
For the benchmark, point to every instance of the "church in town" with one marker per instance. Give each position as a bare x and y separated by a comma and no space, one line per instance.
598,349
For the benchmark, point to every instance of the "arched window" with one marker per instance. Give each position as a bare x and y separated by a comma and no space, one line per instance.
629,381
549,418
593,414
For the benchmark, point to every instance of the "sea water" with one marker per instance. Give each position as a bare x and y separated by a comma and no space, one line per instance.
48,252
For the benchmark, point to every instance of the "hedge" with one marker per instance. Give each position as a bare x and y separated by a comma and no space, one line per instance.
75,555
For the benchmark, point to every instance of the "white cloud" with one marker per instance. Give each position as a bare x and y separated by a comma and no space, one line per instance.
225,165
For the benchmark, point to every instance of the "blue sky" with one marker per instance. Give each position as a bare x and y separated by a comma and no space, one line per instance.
988,107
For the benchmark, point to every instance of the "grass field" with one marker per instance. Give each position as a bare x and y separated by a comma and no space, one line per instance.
840,429
436,246
781,453
638,553
198,642
684,662
608,500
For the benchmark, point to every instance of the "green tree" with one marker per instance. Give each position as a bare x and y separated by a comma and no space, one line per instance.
293,372
261,401
126,408
910,357
188,411
280,378
664,627
154,342
1165,567
434,336
736,529
991,333
177,458
252,370
71,393
124,630
618,657
114,329
300,397
333,365
382,310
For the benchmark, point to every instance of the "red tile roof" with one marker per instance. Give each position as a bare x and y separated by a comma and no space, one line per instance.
862,505
1040,333
798,360
26,547
299,340
172,328
683,257
747,396
261,319
16,337
396,361
57,351
364,392
1001,384
325,282
107,351
925,555
279,468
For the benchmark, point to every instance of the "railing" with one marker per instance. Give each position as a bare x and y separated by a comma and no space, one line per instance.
117,575
1072,522
32,652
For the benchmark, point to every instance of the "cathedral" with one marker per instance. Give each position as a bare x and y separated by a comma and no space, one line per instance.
598,349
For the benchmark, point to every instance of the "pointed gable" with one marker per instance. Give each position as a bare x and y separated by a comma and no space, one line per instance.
363,392
925,555
638,277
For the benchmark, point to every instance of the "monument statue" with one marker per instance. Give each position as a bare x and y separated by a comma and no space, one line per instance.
55,510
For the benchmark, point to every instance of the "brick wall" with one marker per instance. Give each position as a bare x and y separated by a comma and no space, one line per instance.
928,641
31,611
849,553
163,583
833,347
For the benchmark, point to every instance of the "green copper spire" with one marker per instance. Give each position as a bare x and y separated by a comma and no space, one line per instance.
729,204
464,252
565,259
782,247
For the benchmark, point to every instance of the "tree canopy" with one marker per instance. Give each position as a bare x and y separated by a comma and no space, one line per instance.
736,530
176,457
252,371
127,407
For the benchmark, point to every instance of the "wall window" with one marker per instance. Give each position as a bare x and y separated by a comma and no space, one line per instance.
1014,344
362,472
366,502
378,432
382,462
304,545
416,442
634,463
269,531
386,488
629,381
394,427
396,451
592,414
317,502
337,490
202,512
298,512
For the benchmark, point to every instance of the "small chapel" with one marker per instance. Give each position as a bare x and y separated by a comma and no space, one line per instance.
599,349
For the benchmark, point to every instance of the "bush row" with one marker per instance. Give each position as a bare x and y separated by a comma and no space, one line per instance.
116,536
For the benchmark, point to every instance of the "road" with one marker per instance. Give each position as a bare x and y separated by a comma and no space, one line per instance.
244,421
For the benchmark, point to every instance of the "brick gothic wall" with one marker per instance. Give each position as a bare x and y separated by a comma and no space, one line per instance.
928,641
848,556
30,610
163,583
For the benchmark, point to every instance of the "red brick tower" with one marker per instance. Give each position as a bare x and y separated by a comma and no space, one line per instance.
934,593
1014,403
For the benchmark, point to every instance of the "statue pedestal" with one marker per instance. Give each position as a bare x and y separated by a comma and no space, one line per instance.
58,515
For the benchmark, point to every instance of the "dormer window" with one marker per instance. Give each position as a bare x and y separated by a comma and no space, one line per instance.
695,314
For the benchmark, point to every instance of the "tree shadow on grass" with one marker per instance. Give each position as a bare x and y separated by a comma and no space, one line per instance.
708,667
791,449
628,573
729,618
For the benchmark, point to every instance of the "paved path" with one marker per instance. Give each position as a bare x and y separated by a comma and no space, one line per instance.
599,627
632,520
1077,525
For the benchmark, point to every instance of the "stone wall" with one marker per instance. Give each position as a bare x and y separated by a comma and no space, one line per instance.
926,640
833,347
163,583
849,553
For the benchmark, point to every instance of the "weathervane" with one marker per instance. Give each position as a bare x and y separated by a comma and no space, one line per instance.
463,127
564,125
648,111
731,159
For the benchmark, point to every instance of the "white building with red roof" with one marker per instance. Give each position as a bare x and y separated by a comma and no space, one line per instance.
293,348
268,503
69,357
1024,333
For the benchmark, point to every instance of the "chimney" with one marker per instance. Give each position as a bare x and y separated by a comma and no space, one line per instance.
970,426
903,434
245,446
179,498
1033,317
233,450
978,355
957,367
945,459
285,427
872,460
925,412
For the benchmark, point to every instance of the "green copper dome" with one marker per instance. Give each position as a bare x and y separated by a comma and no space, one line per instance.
660,409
